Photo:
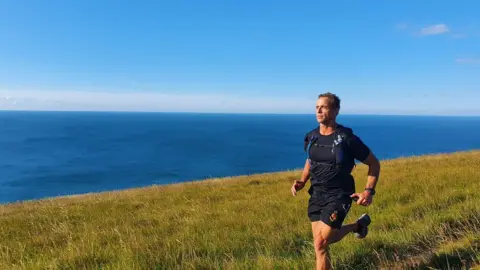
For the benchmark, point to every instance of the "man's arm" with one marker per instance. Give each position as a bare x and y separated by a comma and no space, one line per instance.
299,184
365,197
373,170
363,153
306,172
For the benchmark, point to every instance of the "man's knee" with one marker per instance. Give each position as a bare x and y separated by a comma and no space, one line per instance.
321,245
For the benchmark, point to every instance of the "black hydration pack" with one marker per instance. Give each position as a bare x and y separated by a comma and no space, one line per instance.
344,162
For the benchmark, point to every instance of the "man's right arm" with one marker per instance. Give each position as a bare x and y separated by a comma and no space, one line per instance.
306,172
306,169
299,184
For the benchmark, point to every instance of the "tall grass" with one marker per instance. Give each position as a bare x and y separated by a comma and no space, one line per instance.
426,214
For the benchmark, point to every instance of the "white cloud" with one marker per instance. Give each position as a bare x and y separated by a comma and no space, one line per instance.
468,60
434,30
148,101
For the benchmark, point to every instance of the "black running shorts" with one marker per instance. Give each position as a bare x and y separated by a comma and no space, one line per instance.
331,209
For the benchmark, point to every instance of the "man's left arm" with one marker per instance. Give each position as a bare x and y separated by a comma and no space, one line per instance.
367,157
372,178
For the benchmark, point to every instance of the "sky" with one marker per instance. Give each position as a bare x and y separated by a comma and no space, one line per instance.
379,57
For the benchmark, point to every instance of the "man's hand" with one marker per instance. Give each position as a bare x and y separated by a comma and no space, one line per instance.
363,198
297,185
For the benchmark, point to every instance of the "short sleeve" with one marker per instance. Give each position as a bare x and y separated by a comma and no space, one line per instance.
358,148
306,140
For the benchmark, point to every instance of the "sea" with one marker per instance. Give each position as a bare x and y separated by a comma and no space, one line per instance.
48,154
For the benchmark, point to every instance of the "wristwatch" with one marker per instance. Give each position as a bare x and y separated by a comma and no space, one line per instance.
371,190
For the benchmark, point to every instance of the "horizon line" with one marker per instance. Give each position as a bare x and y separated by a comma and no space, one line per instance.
235,113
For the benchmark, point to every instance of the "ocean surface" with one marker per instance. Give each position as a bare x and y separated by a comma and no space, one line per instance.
46,154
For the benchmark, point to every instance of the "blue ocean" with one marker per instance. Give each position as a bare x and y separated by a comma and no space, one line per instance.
46,154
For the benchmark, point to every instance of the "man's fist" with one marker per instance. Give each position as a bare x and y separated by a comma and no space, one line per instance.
297,185
363,198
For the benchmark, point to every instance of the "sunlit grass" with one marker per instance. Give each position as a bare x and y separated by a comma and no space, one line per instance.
426,214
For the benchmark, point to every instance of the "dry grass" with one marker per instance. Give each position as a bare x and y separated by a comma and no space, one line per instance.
426,215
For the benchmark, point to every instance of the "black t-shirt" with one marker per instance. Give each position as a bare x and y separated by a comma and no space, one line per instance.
324,175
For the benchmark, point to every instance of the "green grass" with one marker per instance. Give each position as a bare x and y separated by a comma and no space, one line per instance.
426,214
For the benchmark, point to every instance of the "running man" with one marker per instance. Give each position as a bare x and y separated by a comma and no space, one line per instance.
331,153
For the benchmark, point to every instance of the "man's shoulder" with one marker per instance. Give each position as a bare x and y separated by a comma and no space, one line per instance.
312,133
310,136
344,134
344,129
341,129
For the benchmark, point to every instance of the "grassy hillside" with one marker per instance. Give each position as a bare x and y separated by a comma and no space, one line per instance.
426,214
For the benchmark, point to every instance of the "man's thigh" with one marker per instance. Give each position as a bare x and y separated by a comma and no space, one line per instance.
322,231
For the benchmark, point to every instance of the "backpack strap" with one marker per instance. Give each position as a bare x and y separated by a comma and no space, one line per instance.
310,138
342,135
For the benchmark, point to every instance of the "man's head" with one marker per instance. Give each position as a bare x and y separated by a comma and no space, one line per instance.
327,108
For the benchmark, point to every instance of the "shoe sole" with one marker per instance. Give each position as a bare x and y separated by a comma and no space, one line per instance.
369,220
358,236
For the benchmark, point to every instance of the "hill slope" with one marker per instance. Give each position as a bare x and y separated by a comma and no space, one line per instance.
426,214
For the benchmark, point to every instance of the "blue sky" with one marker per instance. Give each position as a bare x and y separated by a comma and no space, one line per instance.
381,57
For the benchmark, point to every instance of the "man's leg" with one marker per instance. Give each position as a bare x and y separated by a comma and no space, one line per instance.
360,227
342,232
322,234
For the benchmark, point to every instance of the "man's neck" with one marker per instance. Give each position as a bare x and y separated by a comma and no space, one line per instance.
327,128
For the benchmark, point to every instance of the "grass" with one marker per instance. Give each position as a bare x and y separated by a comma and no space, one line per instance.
426,214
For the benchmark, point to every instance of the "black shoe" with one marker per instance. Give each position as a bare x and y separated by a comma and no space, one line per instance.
363,221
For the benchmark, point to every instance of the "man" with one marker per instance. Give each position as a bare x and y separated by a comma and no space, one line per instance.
331,153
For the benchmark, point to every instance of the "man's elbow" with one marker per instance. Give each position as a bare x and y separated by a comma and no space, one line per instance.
373,162
376,162
376,166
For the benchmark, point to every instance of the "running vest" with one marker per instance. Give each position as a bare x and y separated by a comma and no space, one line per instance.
343,160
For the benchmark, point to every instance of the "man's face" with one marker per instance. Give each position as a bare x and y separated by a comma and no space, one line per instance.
325,113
